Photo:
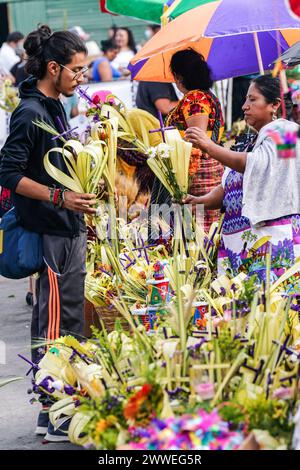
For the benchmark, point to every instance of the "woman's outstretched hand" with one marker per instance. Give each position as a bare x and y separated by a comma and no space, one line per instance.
198,138
189,199
193,201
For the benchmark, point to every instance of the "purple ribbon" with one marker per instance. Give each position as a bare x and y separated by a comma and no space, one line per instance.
33,365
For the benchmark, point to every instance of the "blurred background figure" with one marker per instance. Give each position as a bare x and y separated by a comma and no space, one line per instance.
111,32
155,96
9,51
92,47
71,105
149,32
79,31
127,49
102,69
239,92
18,70
295,114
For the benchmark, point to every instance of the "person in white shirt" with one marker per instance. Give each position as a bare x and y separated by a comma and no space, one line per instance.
8,51
127,49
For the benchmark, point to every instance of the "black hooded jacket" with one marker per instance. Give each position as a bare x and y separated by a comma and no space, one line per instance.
23,155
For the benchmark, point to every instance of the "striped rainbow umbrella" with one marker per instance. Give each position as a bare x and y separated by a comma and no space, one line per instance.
150,10
236,37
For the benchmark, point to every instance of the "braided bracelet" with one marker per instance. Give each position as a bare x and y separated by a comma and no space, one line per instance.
51,197
61,197
57,197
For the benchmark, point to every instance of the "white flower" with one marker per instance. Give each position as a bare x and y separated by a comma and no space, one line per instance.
164,150
152,152
294,358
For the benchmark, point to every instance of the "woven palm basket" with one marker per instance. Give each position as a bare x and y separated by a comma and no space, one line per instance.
109,315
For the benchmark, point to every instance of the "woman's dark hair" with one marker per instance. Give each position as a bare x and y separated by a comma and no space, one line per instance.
108,44
113,27
42,46
191,67
269,87
131,41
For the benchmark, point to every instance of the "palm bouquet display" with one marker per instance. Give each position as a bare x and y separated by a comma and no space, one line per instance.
87,162
244,364
133,124
170,161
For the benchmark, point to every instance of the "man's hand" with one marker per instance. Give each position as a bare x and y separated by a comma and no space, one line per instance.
79,202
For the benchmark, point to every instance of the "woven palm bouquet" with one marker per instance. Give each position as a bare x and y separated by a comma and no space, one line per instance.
170,162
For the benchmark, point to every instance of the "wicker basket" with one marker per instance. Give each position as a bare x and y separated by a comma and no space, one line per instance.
109,315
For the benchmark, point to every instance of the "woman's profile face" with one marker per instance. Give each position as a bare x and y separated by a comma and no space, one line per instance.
178,83
121,38
257,111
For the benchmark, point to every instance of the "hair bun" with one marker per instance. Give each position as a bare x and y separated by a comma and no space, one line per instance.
34,42
45,32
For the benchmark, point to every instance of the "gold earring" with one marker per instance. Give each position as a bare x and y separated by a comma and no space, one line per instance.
274,117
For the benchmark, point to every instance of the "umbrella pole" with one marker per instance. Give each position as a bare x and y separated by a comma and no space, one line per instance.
258,54
229,104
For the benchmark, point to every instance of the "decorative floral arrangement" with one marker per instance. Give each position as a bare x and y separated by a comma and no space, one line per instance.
200,431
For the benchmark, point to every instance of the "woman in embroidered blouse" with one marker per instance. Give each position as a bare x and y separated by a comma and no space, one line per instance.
198,108
259,190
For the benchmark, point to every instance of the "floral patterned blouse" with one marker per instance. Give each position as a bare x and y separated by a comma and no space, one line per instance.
193,103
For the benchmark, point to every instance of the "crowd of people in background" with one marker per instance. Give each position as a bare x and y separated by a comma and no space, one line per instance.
107,61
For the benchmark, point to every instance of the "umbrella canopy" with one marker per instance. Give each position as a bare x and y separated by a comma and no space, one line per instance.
149,10
230,34
294,6
291,57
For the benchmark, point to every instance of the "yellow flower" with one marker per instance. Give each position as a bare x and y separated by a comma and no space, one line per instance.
101,426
